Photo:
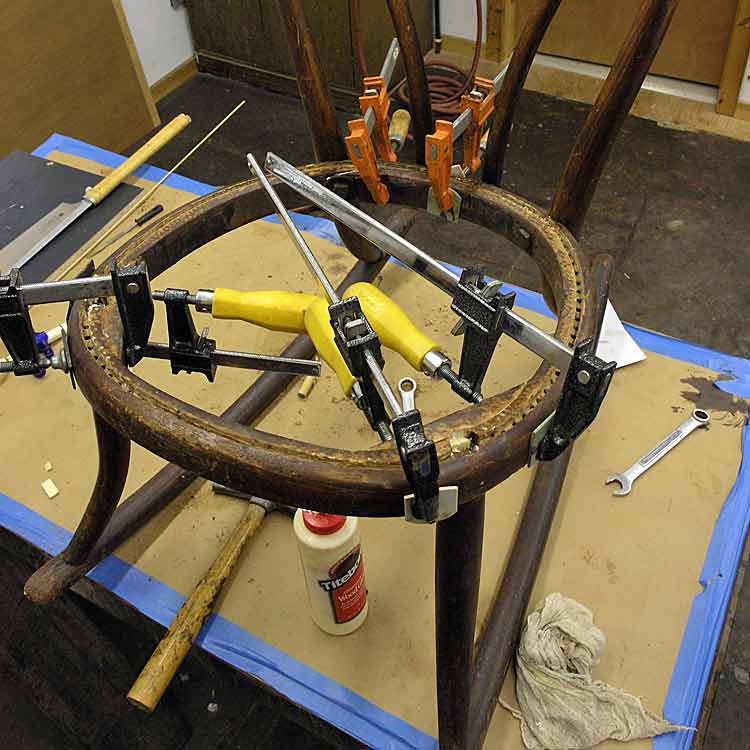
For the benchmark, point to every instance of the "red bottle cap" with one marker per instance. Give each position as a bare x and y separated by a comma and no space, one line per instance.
322,523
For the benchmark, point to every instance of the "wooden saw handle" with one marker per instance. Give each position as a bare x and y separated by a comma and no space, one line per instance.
102,189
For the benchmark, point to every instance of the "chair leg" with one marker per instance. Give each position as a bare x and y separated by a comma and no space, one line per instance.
458,562
114,459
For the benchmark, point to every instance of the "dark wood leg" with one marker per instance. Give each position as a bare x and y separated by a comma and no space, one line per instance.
114,459
497,644
321,116
506,100
458,561
416,78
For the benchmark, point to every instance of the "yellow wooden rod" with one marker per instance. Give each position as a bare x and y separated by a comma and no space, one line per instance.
105,186
75,264
155,677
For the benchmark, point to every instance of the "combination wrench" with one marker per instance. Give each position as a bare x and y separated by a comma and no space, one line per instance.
699,418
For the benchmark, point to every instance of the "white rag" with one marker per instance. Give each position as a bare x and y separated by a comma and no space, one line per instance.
561,706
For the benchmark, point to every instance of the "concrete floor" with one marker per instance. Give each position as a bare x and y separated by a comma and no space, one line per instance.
671,208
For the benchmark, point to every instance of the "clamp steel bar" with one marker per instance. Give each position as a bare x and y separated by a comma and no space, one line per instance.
518,328
386,73
67,291
246,360
294,233
464,119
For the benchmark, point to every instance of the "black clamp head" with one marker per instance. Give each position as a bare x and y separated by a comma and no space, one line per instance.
354,336
16,329
483,317
188,351
420,463
585,386
136,307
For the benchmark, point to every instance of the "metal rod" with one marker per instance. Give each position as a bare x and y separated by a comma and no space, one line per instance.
519,329
294,233
383,386
390,60
543,344
247,361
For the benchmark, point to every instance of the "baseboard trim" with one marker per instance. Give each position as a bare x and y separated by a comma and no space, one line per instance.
175,78
669,110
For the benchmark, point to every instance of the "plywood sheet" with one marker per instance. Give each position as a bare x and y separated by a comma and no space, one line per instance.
593,30
70,67
634,561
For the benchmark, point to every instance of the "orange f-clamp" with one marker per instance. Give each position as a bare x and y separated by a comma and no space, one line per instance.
476,108
374,105
481,102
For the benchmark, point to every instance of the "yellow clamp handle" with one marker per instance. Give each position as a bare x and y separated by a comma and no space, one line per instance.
393,326
104,187
294,312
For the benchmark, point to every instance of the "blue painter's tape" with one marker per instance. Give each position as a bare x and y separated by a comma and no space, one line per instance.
333,702
302,685
692,669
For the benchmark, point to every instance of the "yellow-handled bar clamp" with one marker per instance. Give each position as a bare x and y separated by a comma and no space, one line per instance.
294,312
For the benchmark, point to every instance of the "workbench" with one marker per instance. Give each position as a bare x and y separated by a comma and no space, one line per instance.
656,567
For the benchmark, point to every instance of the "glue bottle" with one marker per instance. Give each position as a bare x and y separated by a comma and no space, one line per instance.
331,557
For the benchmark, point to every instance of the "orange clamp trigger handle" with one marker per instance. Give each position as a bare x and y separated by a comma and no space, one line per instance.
438,157
481,109
362,155
381,104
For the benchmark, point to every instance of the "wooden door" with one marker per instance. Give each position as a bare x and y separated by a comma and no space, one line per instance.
69,66
694,47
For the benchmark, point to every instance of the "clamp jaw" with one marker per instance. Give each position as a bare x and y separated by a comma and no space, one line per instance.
374,105
483,325
360,347
586,384
132,291
16,329
438,158
357,342
188,352
420,463
377,99
362,155
481,101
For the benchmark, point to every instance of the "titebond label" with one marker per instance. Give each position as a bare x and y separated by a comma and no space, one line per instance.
346,586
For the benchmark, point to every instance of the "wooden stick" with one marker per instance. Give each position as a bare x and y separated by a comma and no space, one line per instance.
73,267
155,677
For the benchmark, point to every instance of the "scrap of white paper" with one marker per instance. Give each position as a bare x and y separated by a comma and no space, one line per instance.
615,343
